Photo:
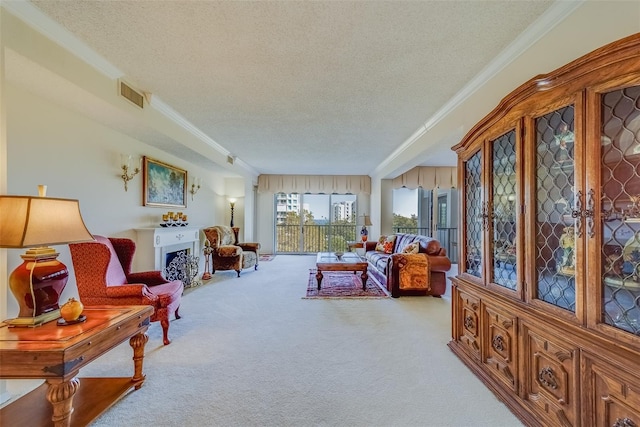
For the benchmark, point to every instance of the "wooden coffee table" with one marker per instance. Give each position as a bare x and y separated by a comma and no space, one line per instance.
349,261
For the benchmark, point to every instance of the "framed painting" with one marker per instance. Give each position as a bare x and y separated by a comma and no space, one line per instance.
163,185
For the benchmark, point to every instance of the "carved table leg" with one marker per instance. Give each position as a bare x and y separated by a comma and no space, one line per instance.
60,395
319,278
138,342
364,280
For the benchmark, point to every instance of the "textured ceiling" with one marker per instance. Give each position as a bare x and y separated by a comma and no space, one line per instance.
324,87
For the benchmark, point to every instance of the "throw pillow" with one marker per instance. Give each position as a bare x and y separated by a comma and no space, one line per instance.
411,248
385,244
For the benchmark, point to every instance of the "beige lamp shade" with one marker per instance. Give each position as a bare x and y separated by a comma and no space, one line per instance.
366,220
27,221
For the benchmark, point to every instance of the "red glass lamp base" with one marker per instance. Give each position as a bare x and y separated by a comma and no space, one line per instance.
37,285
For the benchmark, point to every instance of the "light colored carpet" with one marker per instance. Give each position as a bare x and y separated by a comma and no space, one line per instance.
250,351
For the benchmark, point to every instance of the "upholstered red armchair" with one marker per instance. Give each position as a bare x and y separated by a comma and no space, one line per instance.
227,253
104,277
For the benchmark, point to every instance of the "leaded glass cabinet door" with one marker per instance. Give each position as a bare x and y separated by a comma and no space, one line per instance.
557,210
475,215
503,211
620,216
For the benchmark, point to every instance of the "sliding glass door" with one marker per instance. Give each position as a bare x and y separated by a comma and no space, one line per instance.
310,223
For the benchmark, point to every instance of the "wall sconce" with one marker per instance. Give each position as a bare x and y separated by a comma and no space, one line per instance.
127,176
232,203
195,186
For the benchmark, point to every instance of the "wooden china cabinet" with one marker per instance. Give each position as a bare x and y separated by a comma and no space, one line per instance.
546,308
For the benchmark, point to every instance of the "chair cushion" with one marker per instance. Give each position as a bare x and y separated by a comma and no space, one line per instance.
229,251
378,259
168,292
115,273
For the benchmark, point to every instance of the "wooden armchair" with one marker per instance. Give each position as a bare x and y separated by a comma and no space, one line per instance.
227,253
104,277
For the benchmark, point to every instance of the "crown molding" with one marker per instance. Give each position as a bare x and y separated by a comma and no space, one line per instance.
33,17
554,15
178,119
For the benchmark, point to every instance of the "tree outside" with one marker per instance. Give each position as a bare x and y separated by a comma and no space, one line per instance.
317,237
400,221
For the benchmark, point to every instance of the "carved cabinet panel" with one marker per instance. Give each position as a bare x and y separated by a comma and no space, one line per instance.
501,346
614,400
469,323
551,374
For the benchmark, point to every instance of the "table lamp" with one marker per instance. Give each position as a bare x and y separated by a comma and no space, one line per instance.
35,223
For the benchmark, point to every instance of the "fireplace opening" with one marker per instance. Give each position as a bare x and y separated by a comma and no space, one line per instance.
173,273
171,255
181,265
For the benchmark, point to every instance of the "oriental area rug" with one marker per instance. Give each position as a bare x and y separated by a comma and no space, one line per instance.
336,285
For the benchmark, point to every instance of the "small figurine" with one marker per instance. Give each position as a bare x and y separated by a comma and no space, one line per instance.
564,140
568,244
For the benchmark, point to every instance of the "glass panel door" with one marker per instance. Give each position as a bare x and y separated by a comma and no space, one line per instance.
555,229
620,175
476,215
503,211
288,223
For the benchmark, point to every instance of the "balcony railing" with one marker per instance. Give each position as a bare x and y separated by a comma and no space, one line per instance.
315,238
334,237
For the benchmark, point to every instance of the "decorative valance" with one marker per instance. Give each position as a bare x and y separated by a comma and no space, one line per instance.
428,177
315,184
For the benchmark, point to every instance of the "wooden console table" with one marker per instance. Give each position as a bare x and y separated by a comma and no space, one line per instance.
57,353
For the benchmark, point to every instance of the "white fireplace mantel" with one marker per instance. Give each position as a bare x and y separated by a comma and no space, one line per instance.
154,243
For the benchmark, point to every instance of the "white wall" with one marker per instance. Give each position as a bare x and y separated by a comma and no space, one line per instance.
4,394
78,158
66,127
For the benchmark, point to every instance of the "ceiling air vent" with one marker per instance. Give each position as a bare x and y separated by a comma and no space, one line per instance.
129,93
231,159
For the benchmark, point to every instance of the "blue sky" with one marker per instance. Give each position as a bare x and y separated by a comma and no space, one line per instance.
405,202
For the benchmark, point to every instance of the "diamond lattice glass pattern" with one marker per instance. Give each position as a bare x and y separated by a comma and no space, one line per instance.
503,213
555,231
620,171
474,217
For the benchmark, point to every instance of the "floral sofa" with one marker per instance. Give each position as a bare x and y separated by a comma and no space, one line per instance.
408,264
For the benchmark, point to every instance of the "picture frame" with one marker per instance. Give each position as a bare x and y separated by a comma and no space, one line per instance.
163,185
